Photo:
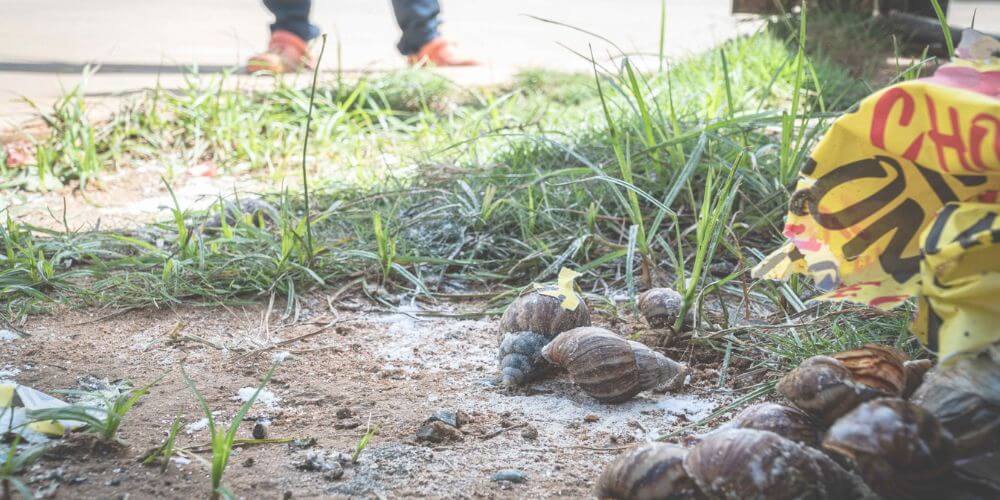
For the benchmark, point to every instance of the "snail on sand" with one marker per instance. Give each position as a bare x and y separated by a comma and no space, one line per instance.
828,387
965,397
610,368
900,449
654,471
785,421
730,464
529,323
660,306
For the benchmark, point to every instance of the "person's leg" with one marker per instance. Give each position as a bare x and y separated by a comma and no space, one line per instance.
419,21
292,16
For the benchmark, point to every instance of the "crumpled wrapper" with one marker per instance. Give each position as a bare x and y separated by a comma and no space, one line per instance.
900,199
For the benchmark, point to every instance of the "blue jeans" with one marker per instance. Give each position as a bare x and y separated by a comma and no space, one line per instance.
417,18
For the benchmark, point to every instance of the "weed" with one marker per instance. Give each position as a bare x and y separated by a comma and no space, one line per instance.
363,443
16,461
105,419
163,453
221,440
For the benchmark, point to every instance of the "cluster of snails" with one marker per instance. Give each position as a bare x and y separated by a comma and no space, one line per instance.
864,424
538,335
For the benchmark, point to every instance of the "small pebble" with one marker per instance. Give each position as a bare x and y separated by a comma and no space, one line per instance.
510,475
591,418
336,472
344,412
451,417
438,432
348,423
249,462
259,430
303,443
529,433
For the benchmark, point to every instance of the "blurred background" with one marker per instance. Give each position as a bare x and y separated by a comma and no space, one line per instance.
46,44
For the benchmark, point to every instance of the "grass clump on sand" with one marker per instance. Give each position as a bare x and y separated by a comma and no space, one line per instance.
636,178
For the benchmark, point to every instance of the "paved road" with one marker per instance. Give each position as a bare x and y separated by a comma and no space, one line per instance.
44,44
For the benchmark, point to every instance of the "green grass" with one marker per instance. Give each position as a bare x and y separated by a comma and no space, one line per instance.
222,439
104,419
635,177
15,461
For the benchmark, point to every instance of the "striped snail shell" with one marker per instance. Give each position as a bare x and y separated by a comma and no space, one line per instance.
785,421
753,464
660,306
876,366
654,471
542,314
521,358
610,368
965,396
900,449
825,388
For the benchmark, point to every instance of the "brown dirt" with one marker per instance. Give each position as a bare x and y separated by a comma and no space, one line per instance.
389,371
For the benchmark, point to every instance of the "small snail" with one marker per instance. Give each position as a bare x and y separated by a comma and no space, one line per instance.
751,464
660,306
785,421
965,397
653,471
828,388
521,358
609,368
899,448
529,323
542,314
915,371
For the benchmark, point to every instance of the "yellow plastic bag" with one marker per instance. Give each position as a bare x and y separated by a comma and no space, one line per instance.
900,199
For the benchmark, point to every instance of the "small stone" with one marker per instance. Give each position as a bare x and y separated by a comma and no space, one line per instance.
336,472
259,430
344,412
349,423
114,482
437,432
530,433
721,269
302,443
249,462
287,495
591,418
450,417
318,461
510,475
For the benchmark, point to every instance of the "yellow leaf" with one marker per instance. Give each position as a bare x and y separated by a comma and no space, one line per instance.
6,395
564,289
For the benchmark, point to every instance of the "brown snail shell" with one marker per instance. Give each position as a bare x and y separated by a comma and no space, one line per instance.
542,314
876,366
900,449
915,371
750,464
824,388
610,368
965,396
653,471
660,306
785,421
521,358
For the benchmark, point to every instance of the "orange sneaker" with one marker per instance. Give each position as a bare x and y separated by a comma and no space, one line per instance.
440,52
286,53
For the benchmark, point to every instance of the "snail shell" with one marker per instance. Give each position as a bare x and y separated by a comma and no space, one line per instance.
823,387
748,463
521,358
899,448
785,421
609,368
915,371
542,314
965,397
660,306
653,471
876,366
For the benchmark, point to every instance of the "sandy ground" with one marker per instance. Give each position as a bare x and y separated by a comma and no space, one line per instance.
390,371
